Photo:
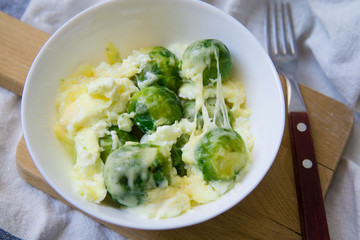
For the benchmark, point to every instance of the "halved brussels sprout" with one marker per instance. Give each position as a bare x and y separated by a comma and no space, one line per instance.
189,112
155,106
203,56
176,155
106,142
163,69
132,169
221,154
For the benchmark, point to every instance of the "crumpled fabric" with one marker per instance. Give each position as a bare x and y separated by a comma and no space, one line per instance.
328,39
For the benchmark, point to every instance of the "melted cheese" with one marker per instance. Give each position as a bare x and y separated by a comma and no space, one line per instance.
196,75
163,203
87,172
167,135
149,79
125,122
134,64
96,98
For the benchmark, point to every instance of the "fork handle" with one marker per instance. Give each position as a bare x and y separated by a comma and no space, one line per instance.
309,194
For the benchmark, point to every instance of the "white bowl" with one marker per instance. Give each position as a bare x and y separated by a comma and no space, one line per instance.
132,25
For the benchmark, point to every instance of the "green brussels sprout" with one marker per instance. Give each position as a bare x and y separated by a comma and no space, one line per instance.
162,69
132,169
155,106
210,106
106,142
189,112
221,154
201,57
176,155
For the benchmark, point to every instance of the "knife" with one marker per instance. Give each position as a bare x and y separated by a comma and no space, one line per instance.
309,193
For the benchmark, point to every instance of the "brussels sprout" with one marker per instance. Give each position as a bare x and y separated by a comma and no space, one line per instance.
221,154
132,169
162,69
201,57
155,106
176,155
210,106
106,142
189,112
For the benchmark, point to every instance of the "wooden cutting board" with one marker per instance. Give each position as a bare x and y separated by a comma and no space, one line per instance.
269,212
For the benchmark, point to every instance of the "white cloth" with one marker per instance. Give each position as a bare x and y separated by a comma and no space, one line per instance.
328,37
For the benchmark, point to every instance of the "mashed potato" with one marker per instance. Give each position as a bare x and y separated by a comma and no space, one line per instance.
95,98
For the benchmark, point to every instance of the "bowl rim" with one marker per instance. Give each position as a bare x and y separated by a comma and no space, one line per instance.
82,16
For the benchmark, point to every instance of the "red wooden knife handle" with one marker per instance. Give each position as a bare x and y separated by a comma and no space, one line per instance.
309,194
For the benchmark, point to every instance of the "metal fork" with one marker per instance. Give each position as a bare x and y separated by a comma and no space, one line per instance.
283,51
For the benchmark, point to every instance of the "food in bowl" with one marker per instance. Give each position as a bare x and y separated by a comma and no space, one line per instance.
161,131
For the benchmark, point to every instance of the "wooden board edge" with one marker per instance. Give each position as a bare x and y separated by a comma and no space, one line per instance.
17,51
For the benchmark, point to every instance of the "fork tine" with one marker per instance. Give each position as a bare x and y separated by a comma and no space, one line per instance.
275,29
280,24
269,31
272,43
290,36
267,28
